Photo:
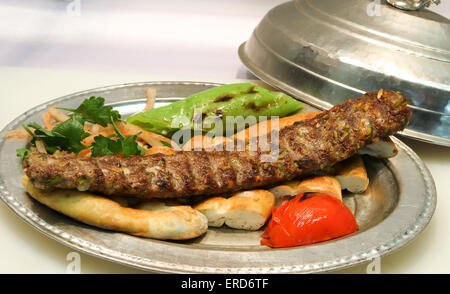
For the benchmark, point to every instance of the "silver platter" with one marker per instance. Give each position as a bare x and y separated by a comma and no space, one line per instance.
397,206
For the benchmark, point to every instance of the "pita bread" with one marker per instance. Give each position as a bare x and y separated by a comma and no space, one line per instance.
352,174
320,184
384,148
248,210
160,222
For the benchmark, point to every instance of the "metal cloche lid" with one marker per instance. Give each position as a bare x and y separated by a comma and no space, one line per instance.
327,51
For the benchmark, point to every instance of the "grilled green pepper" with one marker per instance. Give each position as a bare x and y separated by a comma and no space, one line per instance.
216,104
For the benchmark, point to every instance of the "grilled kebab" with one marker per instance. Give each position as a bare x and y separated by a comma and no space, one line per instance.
304,147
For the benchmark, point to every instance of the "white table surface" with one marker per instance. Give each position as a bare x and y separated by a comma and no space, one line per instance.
50,53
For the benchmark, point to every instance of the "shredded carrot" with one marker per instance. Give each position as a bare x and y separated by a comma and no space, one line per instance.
197,142
17,135
264,127
85,153
40,146
57,115
47,118
149,137
88,128
160,149
91,139
205,142
95,129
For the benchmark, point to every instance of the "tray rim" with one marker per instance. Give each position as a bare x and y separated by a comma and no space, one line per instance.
404,237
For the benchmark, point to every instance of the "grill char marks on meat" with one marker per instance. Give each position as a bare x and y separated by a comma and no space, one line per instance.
306,146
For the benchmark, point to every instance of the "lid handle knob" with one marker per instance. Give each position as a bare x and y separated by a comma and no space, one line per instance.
412,4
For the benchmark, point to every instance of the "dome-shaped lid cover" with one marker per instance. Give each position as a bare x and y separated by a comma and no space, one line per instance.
326,51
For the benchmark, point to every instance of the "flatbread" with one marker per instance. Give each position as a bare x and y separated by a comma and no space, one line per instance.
320,184
352,174
163,222
248,210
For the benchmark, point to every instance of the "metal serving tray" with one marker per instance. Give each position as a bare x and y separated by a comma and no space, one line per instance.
397,206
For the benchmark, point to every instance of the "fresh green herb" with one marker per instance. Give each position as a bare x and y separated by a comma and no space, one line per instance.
142,150
22,152
107,146
94,110
65,136
166,144
73,130
130,146
68,135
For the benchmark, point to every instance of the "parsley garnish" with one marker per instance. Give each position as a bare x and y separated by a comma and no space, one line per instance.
68,135
93,110
126,145
106,146
166,144
65,136
22,152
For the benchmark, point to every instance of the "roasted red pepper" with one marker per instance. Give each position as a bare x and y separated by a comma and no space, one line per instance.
308,219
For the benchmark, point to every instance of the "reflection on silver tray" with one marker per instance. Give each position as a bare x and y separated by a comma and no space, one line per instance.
397,206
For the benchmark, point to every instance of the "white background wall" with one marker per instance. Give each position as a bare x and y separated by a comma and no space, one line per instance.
164,37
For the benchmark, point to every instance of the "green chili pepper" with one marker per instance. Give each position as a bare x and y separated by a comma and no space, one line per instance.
244,100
